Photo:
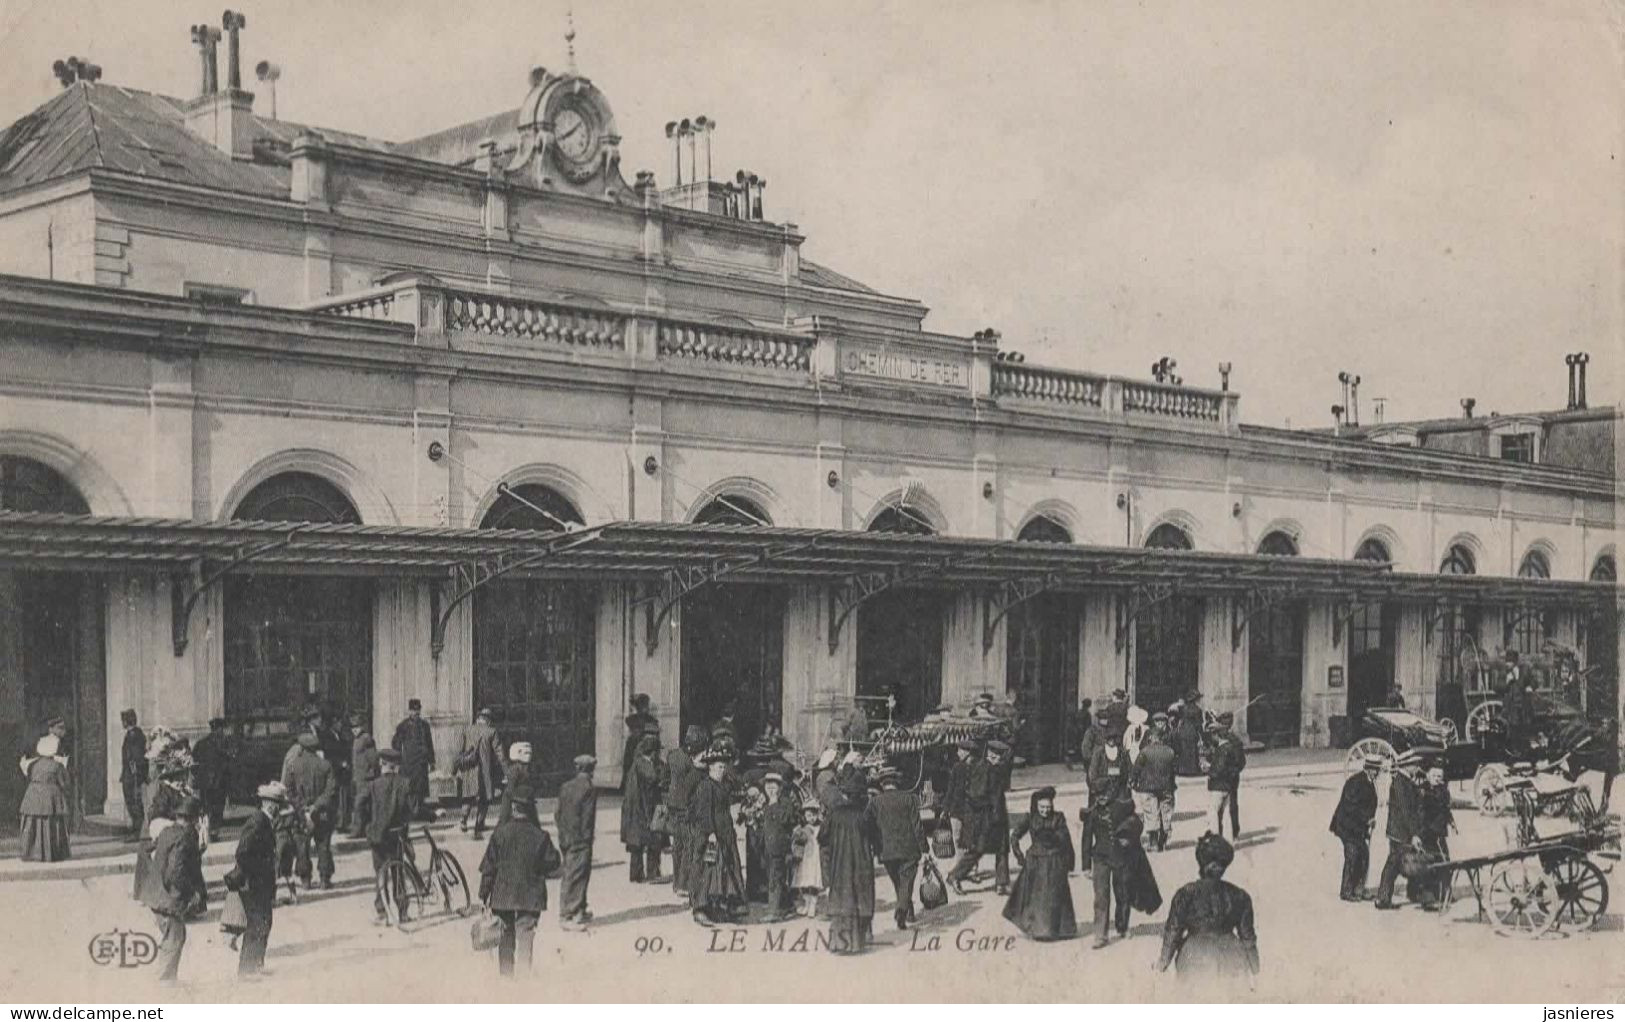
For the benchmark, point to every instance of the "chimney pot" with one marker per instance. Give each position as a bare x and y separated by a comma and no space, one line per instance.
1580,360
1467,404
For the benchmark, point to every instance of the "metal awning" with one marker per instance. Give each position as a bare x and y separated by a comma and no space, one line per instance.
675,559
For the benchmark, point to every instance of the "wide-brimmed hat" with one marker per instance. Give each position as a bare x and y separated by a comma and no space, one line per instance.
998,747
763,748
1159,717
1410,757
1372,761
984,697
389,756
518,749
272,791
712,755
774,776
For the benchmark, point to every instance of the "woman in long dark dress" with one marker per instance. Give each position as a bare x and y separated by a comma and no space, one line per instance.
851,838
717,893
1187,736
641,789
1209,936
44,808
1041,900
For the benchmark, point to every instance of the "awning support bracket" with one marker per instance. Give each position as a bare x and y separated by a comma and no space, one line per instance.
468,577
1006,596
1256,602
848,596
677,583
184,595
1141,599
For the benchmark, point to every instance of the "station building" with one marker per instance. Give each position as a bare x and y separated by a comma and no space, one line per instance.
293,414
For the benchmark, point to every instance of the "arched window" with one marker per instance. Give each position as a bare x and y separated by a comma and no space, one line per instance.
1535,565
1278,544
1044,529
1604,570
28,485
1373,550
1458,560
732,510
297,497
1168,536
531,506
904,520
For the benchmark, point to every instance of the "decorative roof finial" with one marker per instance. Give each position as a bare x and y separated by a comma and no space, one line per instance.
570,35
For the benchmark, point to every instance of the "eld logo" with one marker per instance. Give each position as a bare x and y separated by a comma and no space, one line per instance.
126,949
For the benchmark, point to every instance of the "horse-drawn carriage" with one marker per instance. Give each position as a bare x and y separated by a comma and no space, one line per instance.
923,751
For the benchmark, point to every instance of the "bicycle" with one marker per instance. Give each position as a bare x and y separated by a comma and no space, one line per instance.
399,882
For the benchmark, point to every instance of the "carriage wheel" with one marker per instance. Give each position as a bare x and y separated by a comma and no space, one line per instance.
1368,747
1521,898
1453,732
1490,790
1581,892
1479,720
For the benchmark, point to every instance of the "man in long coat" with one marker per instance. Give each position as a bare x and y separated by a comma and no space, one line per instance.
312,786
484,769
576,818
173,885
1352,822
639,722
851,838
414,740
895,817
132,775
337,744
640,796
1404,823
997,839
384,812
253,876
513,882
682,776
211,773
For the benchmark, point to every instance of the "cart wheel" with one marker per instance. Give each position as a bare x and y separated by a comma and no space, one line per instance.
1479,720
1453,733
1521,898
1368,747
1490,790
1581,892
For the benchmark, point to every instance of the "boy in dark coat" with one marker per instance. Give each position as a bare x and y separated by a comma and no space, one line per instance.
577,818
384,813
777,825
895,816
253,876
173,885
132,775
1404,824
513,882
1352,822
414,740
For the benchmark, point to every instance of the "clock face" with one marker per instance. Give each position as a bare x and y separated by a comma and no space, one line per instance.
573,133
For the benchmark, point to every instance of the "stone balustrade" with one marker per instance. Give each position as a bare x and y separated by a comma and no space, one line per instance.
1166,401
734,346
525,320
1057,386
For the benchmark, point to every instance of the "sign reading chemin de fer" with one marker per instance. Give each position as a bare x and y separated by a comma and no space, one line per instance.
879,364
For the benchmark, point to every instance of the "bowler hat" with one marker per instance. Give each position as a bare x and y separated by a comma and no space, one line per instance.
414,704
215,722
272,791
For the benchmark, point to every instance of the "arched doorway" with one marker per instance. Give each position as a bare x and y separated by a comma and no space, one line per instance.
1456,640
1168,637
52,652
535,641
733,641
294,642
1041,661
1275,659
900,633
1526,629
1372,628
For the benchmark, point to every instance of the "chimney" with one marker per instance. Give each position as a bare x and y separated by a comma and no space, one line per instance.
1580,360
1467,404
223,118
1337,417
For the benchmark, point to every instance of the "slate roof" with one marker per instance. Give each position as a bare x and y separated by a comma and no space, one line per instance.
822,276
98,126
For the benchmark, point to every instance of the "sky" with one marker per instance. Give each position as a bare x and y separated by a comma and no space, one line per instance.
1428,195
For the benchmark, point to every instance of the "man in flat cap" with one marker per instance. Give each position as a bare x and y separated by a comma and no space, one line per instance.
384,813
253,876
414,740
1404,822
1225,764
314,793
895,815
576,818
1352,821
1000,763
211,773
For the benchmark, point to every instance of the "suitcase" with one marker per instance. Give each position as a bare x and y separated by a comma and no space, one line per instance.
942,842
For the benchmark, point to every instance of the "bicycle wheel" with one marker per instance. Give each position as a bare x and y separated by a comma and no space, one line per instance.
452,883
396,888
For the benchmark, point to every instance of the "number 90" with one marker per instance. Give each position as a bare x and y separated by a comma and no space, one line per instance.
649,945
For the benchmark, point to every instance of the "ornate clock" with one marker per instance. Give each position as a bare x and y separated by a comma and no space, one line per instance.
576,139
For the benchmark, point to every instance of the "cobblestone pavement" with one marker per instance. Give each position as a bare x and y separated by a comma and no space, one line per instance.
643,944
